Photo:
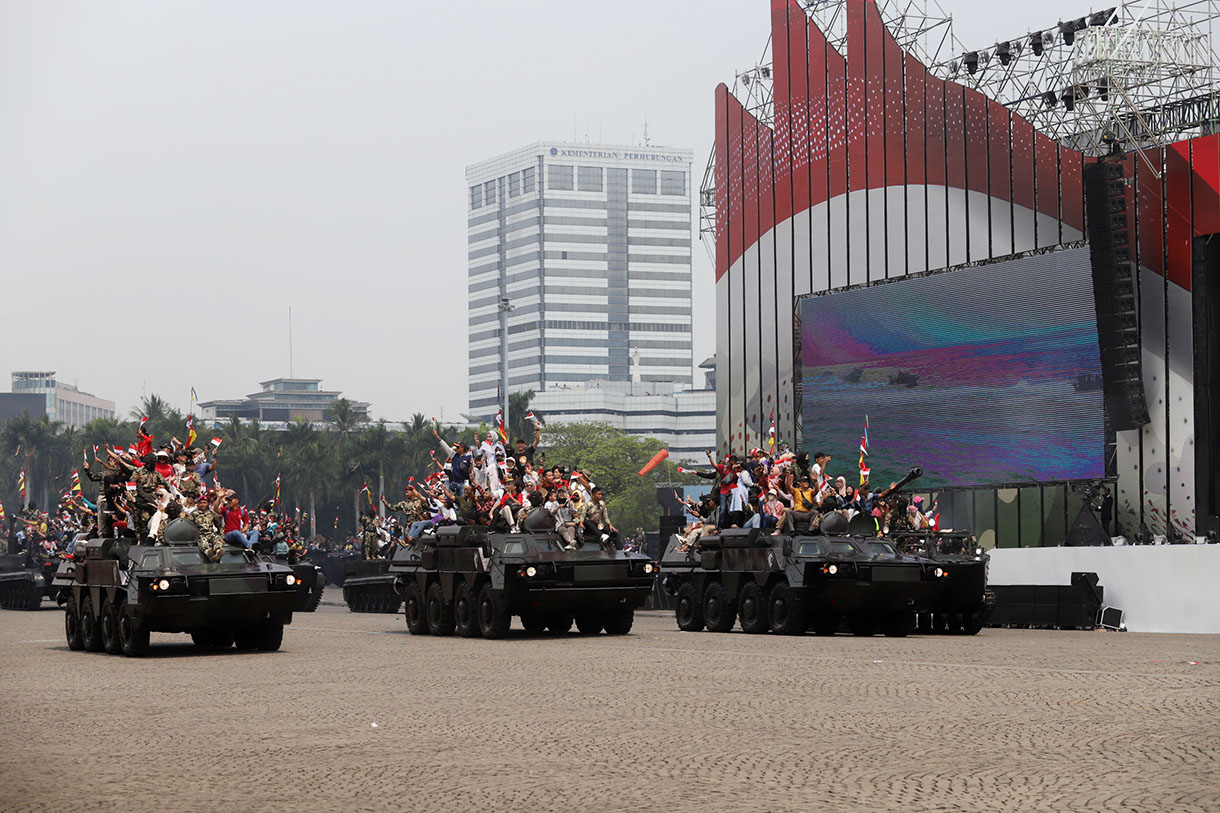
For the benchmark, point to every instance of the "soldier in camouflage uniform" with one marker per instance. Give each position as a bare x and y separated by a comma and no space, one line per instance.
369,535
143,503
205,517
416,512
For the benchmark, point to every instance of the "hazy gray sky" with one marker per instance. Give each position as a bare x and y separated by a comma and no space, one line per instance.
213,163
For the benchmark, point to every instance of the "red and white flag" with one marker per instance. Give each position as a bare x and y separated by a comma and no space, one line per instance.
131,487
216,443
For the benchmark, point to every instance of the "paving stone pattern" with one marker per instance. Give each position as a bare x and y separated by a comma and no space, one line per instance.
658,720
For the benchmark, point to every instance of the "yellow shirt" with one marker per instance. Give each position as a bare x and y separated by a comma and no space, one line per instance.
803,499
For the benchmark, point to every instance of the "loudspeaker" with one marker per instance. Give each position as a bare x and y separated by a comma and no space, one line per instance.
1114,295
670,525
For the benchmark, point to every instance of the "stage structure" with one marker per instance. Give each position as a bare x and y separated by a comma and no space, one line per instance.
869,145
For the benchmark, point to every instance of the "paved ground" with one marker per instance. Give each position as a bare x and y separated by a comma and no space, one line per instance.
354,714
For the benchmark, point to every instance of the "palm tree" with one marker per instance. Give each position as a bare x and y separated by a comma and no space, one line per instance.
33,440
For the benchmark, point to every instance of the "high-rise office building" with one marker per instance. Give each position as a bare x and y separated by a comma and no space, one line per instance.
590,246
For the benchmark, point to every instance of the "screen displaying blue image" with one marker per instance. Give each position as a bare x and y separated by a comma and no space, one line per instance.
983,376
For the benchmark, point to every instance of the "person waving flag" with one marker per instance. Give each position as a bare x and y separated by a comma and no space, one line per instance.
771,432
864,470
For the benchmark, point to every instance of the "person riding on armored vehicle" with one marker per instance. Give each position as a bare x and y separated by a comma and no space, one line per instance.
114,594
25,579
466,580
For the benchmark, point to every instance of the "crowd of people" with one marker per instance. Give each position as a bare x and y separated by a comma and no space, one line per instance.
509,489
141,489
787,493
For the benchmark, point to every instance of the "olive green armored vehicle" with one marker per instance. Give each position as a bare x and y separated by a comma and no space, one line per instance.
25,579
114,594
467,581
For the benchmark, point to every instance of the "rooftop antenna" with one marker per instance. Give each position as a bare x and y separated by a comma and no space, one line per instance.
290,341
647,140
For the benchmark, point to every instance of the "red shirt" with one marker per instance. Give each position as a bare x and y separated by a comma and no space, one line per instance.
235,518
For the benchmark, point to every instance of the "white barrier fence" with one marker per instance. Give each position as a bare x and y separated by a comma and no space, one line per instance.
1162,588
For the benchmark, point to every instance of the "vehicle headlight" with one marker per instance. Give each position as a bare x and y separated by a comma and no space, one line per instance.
163,584
833,569
531,571
978,551
648,568
291,580
938,573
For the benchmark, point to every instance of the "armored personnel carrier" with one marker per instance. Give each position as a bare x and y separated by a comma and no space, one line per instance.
469,581
790,584
368,586
310,581
25,579
965,603
117,594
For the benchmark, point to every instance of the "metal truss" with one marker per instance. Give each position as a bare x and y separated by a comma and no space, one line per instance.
1140,74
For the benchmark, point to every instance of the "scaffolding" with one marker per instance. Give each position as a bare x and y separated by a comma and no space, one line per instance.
1139,74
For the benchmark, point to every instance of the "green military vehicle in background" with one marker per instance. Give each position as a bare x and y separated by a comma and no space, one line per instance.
114,594
25,579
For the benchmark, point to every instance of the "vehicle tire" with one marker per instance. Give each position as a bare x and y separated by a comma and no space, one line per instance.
314,599
76,641
862,624
786,614
974,621
534,622
222,638
752,609
271,636
134,642
414,612
689,609
465,614
618,621
109,624
439,611
559,623
719,611
826,623
89,627
899,624
492,613
204,639
246,638
953,623
923,623
589,622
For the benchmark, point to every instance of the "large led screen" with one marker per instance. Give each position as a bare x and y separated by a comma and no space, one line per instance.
983,376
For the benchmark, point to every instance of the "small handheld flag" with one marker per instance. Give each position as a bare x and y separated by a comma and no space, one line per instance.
21,483
216,444
143,421
500,426
190,430
533,418
277,491
864,471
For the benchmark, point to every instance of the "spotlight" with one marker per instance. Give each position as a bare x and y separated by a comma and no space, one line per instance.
1049,98
954,68
1069,99
766,71
745,79
1069,29
1103,89
1003,50
972,62
1102,17
1035,42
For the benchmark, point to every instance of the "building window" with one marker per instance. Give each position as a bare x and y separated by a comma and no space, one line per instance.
673,183
527,180
489,193
559,177
589,179
476,197
644,181
514,184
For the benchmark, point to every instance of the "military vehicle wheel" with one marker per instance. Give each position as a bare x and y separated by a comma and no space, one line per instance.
465,614
439,611
899,624
752,608
271,636
109,623
89,626
246,638
76,641
974,621
534,622
589,622
618,621
559,623
719,611
825,624
953,623
787,616
862,624
923,623
417,621
135,643
493,613
689,609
